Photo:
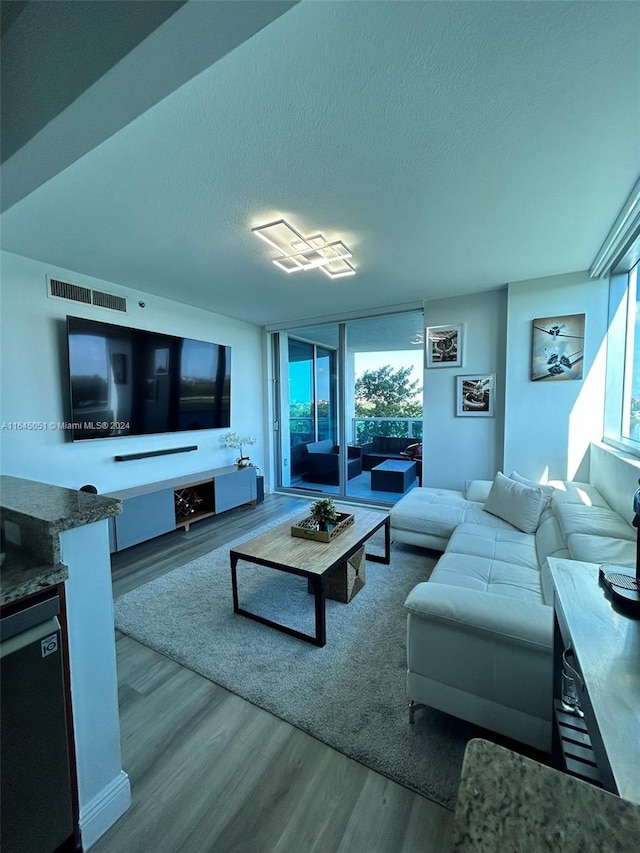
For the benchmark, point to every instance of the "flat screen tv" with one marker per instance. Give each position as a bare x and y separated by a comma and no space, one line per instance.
126,381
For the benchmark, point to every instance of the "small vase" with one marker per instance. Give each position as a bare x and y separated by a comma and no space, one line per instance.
243,462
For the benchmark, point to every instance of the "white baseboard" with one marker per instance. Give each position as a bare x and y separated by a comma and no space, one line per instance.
105,809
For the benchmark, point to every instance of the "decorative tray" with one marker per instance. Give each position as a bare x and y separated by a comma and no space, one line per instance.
307,529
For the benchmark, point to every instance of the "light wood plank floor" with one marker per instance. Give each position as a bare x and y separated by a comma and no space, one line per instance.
212,773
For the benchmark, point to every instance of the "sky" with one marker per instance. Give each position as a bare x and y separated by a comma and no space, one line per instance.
299,371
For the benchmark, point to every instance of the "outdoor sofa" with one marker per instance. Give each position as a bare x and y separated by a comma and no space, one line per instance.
322,462
383,447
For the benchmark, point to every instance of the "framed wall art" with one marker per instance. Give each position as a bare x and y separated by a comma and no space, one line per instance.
475,395
161,361
443,346
557,347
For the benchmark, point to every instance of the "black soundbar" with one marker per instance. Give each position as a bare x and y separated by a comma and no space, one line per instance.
155,453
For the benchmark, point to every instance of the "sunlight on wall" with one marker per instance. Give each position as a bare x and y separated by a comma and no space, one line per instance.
586,417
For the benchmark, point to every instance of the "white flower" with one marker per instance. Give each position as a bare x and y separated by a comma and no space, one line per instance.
232,439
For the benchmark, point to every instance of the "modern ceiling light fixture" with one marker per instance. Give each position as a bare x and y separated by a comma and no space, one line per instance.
305,253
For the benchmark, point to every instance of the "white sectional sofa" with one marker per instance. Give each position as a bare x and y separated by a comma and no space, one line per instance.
480,630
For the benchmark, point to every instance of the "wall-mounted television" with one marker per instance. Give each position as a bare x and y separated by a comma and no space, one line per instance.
126,381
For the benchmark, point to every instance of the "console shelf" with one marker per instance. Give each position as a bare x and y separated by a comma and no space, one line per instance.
603,747
157,508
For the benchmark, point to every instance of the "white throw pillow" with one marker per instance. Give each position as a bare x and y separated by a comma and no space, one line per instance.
515,503
478,490
547,491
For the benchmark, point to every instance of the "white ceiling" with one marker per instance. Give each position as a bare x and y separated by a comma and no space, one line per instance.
453,146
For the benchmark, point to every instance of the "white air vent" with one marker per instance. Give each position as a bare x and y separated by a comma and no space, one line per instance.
64,290
108,300
76,293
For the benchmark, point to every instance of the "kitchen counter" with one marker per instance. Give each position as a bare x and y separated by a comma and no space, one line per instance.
507,802
21,575
55,535
34,515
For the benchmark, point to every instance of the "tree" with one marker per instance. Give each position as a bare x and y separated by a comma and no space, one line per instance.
386,392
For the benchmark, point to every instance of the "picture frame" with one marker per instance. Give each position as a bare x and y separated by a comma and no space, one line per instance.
557,348
161,361
475,395
443,345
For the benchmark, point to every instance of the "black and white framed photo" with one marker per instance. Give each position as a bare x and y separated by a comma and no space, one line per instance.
443,346
161,361
557,347
475,395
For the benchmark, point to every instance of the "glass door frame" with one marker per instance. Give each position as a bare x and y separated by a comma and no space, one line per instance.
281,403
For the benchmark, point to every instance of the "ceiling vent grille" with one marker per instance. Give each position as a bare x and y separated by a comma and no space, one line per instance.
64,290
108,300
76,293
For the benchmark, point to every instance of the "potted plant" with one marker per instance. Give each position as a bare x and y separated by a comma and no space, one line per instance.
324,513
232,439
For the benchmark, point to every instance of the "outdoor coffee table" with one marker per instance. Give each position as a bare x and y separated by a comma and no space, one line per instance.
393,475
310,559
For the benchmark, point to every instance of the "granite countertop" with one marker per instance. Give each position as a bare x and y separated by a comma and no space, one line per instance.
35,514
21,575
507,802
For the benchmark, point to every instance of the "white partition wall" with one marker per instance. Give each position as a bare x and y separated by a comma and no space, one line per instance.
104,792
549,424
461,448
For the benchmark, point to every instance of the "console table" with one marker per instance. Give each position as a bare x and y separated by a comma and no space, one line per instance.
156,508
604,747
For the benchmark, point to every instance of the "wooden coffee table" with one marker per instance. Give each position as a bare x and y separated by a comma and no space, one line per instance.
316,561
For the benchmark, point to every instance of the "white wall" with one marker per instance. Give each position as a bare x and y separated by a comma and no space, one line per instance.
549,424
103,787
461,448
34,384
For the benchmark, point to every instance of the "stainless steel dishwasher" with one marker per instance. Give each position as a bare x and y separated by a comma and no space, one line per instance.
35,786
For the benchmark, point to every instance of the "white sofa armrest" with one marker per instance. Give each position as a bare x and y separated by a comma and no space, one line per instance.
518,622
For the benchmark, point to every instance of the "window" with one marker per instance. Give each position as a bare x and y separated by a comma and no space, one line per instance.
622,409
630,425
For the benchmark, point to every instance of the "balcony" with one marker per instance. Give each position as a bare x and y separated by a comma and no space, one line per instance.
362,431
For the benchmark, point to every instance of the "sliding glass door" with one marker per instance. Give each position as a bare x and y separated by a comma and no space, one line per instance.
350,399
308,405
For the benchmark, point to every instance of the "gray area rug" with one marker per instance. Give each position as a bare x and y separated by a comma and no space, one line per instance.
349,694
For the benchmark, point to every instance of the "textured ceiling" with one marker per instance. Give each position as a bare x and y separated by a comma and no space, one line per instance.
453,146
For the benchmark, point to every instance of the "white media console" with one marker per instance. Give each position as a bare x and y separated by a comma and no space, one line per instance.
157,508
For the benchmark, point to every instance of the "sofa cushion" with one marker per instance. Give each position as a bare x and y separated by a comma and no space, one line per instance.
567,492
519,505
325,446
437,512
547,491
550,542
602,549
487,575
499,543
593,520
390,444
478,490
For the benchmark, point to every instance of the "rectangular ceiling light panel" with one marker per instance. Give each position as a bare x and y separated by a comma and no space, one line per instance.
338,269
305,253
280,235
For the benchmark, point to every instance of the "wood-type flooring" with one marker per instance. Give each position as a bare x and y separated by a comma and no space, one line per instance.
212,773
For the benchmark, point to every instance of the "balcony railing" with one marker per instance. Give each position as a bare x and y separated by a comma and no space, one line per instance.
364,429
